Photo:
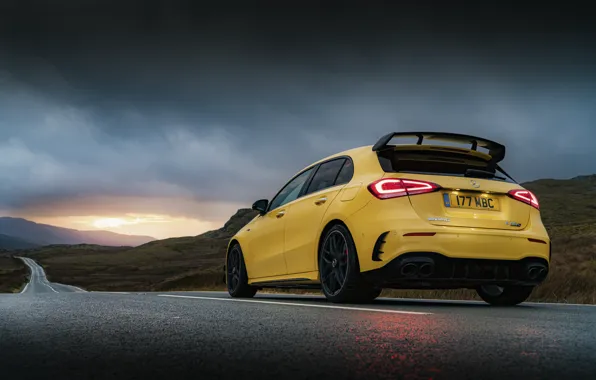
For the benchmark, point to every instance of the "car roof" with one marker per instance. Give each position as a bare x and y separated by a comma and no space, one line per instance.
354,153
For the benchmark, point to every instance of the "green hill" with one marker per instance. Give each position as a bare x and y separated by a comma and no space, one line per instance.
13,273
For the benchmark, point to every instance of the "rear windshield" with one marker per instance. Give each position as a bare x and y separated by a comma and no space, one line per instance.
439,163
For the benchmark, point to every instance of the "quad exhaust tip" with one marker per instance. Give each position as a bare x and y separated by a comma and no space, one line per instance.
409,269
412,269
425,269
537,272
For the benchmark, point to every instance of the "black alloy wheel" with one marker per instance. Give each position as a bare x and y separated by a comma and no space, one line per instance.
334,262
237,278
339,269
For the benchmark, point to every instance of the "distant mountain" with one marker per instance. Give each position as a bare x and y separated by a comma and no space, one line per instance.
11,242
18,232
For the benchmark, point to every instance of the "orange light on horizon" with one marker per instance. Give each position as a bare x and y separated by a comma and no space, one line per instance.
110,222
157,226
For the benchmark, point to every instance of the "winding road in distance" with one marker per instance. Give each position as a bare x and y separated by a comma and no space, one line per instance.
38,283
54,331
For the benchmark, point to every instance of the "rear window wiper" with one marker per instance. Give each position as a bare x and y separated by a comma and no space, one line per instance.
476,173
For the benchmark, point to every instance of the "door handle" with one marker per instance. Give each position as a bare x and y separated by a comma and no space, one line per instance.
280,214
320,201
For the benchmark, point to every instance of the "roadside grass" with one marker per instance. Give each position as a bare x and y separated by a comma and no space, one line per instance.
13,274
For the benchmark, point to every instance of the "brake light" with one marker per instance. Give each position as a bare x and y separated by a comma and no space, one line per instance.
394,187
525,196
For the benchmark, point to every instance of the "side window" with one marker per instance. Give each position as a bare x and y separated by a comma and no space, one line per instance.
325,176
346,173
291,190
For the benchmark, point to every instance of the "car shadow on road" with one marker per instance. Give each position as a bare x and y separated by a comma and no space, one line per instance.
383,301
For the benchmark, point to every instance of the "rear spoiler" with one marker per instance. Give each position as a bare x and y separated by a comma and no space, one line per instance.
496,150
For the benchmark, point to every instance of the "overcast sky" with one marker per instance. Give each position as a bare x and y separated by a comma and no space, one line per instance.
181,114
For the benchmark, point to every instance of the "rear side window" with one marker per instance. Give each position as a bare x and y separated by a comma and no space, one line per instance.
346,173
325,175
437,162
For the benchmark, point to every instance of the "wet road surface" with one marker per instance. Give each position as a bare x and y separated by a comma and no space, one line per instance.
207,335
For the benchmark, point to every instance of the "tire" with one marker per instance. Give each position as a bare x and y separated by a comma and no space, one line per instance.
339,269
236,276
504,296
368,294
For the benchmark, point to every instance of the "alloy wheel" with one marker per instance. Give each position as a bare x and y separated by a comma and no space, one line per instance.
334,265
233,269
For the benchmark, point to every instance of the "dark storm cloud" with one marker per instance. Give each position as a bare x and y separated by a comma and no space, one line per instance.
157,100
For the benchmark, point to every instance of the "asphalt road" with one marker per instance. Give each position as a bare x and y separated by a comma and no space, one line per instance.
206,335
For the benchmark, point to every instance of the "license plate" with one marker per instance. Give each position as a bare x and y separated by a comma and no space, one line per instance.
471,201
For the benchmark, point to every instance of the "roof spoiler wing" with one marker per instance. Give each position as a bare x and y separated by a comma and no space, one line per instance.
496,150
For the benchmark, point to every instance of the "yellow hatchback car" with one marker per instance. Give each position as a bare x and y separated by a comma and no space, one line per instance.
404,216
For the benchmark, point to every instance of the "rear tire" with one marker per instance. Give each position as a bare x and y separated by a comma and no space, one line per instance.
368,294
504,296
339,269
236,275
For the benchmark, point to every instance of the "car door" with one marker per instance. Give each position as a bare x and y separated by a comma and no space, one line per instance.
302,226
266,243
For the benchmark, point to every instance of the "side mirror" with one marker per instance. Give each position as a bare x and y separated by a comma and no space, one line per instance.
261,206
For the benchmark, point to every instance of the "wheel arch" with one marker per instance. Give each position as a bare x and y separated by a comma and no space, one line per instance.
330,224
232,242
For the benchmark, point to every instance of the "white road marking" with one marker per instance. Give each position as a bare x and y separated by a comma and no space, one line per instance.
25,288
558,304
50,286
455,301
71,286
299,304
421,300
110,292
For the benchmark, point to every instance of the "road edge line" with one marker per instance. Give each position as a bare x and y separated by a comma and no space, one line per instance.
30,273
300,304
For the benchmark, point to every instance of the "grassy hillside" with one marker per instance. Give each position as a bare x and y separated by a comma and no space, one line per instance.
13,274
568,207
196,262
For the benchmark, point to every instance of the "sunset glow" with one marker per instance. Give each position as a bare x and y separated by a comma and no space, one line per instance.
157,226
109,223
159,217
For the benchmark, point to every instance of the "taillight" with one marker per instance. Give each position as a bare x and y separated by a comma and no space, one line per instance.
525,196
395,187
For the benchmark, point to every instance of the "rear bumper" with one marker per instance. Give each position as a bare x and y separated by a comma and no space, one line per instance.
380,232
430,270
